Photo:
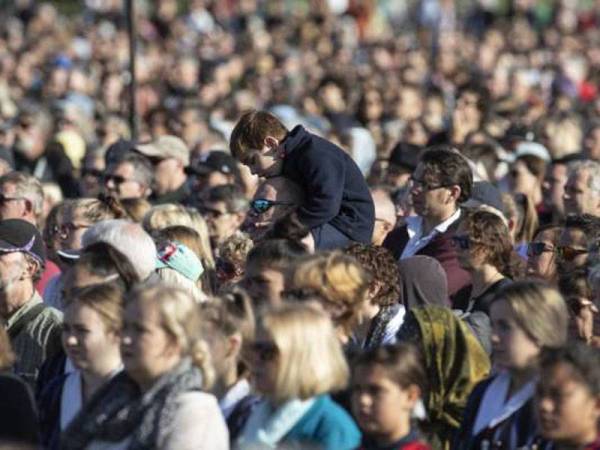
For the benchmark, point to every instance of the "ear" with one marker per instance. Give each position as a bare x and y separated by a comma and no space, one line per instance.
271,142
31,267
455,192
413,393
28,207
234,345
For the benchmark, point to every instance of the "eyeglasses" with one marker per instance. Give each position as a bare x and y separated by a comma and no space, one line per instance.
95,173
462,241
265,351
66,229
422,185
117,179
537,248
4,199
567,253
262,205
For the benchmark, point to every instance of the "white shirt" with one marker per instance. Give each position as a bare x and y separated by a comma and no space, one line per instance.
416,240
233,396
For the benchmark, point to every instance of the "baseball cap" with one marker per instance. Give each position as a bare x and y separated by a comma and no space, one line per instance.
405,155
166,147
176,256
215,161
18,235
533,149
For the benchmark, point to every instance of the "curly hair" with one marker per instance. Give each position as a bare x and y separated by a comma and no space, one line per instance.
489,231
381,265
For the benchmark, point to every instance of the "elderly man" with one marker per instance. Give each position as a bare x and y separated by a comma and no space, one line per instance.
385,215
274,198
34,328
169,156
582,190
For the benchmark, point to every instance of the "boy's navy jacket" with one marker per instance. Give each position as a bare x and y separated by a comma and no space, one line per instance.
335,190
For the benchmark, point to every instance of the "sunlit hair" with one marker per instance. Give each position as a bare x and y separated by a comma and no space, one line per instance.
539,310
106,299
521,211
181,318
94,210
29,187
136,208
310,358
338,279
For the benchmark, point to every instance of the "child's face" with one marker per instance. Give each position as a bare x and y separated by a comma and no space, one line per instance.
567,410
265,162
381,407
512,348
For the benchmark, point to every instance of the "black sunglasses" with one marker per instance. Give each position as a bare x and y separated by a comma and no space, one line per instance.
569,253
266,351
91,173
262,205
4,199
116,179
537,248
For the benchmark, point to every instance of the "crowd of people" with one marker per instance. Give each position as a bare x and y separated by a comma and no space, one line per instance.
336,224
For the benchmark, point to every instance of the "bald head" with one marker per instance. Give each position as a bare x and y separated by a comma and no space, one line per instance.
385,215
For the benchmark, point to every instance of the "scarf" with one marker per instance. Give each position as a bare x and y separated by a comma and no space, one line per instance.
119,410
379,325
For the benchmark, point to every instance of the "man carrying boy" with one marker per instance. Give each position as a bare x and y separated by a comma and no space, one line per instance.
338,207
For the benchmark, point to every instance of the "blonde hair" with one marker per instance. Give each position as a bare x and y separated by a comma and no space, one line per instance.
539,310
338,279
193,288
310,357
236,247
180,317
169,215
136,208
106,299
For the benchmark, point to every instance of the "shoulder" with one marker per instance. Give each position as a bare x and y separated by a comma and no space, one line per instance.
197,401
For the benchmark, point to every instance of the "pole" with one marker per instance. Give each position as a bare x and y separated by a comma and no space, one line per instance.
129,4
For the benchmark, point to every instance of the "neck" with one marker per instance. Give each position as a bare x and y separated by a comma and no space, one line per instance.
520,377
225,383
483,277
15,299
430,222
176,182
388,439
578,442
91,382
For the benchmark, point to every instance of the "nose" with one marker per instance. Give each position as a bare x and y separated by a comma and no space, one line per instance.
495,338
109,183
125,340
545,404
71,340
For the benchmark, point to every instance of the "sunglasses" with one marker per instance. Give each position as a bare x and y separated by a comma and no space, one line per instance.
4,199
422,185
537,248
461,241
265,351
95,173
567,253
117,179
262,205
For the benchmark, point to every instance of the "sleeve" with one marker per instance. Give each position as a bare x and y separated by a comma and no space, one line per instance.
198,424
325,175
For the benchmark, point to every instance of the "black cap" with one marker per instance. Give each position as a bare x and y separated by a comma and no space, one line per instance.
18,235
117,151
485,193
215,161
406,155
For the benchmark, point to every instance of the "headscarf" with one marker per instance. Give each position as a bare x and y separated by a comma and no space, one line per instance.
422,282
455,362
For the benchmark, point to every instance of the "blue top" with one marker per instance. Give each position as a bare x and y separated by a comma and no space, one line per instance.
335,190
326,424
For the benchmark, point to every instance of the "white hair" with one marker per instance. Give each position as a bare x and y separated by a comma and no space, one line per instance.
130,239
592,168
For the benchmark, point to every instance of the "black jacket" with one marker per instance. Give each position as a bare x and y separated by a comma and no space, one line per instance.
335,189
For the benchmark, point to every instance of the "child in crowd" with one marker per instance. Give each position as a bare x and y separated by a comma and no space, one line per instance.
387,383
568,398
338,206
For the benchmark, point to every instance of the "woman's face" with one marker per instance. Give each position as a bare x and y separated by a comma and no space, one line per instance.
521,179
568,412
541,256
264,363
470,254
87,342
147,349
512,348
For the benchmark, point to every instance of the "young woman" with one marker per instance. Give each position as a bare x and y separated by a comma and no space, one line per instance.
91,339
568,398
387,383
484,248
157,402
526,316
541,254
297,361
229,322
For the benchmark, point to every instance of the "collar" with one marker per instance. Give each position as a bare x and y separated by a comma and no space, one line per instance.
233,396
34,300
414,224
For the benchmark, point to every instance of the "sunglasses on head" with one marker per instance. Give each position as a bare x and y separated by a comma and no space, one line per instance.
537,248
569,253
265,351
262,205
462,241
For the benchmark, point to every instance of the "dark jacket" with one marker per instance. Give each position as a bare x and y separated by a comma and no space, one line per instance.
49,404
440,248
522,421
335,189
18,416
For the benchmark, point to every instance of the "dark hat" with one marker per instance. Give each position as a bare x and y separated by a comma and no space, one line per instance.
17,235
117,151
405,155
485,193
215,161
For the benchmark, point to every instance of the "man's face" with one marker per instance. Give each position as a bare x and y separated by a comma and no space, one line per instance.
122,182
579,198
554,187
12,205
466,112
12,268
210,180
91,176
591,144
266,162
572,250
264,285
429,198
164,170
221,223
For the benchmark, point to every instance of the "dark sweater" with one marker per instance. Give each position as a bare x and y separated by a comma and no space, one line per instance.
335,189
